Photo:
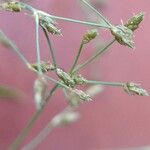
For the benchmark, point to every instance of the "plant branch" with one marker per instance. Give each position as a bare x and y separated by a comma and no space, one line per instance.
43,133
75,21
98,53
98,13
31,122
105,83
15,48
37,42
77,57
57,82
50,48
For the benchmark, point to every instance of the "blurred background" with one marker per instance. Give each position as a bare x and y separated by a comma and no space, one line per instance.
114,119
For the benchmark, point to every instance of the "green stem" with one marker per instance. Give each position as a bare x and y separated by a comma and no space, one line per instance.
39,138
50,48
94,56
105,83
15,48
75,21
81,22
55,81
31,122
33,10
98,13
77,57
44,133
37,42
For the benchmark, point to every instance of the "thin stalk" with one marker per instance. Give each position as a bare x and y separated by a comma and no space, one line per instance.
30,8
39,138
98,13
30,123
27,7
50,48
94,56
33,10
43,134
105,83
37,42
81,22
77,57
15,49
75,21
57,82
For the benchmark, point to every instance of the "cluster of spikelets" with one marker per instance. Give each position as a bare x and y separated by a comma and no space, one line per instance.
123,34
69,80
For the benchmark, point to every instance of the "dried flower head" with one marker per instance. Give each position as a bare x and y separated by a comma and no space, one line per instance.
79,79
65,118
135,89
49,24
82,95
45,67
90,35
11,6
65,77
133,23
94,90
40,89
123,35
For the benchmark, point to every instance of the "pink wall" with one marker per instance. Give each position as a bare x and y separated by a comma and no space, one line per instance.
113,119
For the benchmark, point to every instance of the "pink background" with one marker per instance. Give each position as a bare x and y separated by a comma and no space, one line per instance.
113,119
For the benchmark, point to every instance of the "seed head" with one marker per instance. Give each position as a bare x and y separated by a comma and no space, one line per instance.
65,77
40,88
11,6
45,67
65,118
49,24
133,23
135,89
82,95
79,79
123,35
90,35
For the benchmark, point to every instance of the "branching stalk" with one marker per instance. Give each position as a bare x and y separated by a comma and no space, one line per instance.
43,134
98,53
75,21
97,12
31,122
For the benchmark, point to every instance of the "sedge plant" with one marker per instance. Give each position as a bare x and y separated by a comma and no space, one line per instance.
69,81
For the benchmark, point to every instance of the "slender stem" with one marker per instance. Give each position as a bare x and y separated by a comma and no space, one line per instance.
27,7
98,13
39,138
81,22
31,122
25,131
77,57
94,56
44,133
37,42
15,48
33,10
50,48
75,21
55,81
105,83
